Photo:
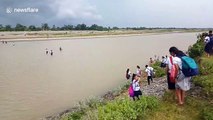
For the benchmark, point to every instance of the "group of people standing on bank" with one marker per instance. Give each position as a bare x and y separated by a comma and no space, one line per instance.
178,76
135,87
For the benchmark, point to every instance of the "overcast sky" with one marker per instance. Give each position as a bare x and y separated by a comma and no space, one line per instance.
121,13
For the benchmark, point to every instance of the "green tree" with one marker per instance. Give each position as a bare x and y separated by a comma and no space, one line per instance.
8,28
45,26
93,27
53,28
32,28
68,27
115,28
81,27
2,27
20,27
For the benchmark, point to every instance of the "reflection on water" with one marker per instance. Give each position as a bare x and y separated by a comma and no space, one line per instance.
34,85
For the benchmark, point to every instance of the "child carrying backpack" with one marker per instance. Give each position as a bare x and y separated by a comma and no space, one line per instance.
186,68
134,88
150,73
189,66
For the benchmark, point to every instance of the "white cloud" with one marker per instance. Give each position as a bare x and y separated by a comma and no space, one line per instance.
74,9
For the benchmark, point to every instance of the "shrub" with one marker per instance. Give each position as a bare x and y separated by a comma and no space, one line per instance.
159,72
76,115
206,66
206,82
197,49
207,113
125,109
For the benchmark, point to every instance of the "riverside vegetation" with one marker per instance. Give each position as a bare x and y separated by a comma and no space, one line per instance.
116,105
199,100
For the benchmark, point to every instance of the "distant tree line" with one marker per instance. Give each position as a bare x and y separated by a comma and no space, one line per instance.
46,27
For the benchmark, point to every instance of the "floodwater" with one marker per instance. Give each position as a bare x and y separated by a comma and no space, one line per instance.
34,85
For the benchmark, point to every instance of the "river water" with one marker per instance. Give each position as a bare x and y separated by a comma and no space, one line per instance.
35,85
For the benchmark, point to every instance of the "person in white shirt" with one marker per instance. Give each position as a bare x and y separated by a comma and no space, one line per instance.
136,86
128,74
181,82
149,71
138,71
207,39
163,62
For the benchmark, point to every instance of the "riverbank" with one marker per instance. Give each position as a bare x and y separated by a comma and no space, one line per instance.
83,111
155,90
65,35
198,104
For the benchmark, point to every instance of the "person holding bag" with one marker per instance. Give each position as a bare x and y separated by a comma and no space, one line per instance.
182,83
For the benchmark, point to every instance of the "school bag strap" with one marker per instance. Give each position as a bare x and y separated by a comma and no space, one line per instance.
171,60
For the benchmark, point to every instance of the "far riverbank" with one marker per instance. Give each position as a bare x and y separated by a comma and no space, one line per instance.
19,36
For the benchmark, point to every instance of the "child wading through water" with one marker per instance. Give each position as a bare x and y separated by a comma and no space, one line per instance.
60,48
51,52
46,51
150,72
181,82
136,86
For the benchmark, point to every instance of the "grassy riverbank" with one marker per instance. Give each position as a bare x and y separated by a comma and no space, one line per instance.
114,105
117,105
199,102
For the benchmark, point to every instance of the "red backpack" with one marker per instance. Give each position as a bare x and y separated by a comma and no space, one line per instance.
131,91
173,71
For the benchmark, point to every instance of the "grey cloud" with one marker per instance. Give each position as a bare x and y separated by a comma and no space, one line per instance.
121,13
50,11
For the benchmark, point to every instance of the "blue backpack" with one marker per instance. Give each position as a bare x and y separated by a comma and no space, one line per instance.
189,66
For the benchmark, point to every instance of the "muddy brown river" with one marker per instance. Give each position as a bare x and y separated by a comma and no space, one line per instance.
34,85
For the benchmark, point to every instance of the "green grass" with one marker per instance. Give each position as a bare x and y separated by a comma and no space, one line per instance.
194,109
87,109
126,109
120,108
207,83
205,80
206,65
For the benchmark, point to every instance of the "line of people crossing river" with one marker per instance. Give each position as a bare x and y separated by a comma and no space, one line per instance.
51,51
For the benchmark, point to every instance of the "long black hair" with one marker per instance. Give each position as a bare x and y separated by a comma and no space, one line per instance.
127,71
133,76
176,51
127,74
